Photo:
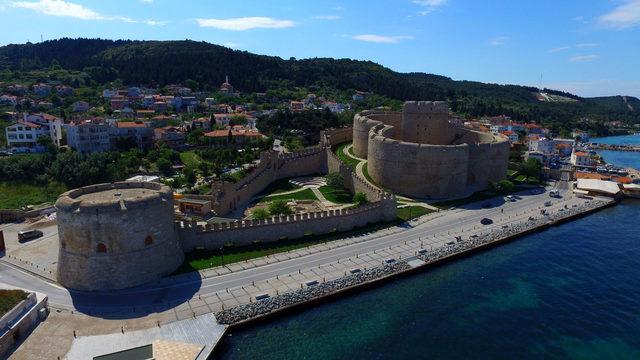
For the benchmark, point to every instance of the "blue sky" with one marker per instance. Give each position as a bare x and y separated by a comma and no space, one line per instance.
588,47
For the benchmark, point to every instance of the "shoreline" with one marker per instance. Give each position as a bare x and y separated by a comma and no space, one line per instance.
407,270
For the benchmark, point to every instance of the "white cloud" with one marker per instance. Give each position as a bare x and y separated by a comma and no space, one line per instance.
583,58
381,38
68,9
146,1
559,49
327,17
231,45
499,40
59,8
429,5
338,8
624,16
246,23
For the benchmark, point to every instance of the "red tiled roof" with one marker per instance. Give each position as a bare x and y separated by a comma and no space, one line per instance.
130,124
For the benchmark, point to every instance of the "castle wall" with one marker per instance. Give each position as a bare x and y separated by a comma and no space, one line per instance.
417,170
426,122
137,235
227,196
246,232
363,122
488,162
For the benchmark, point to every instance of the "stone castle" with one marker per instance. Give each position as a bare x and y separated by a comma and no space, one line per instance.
120,235
125,234
418,153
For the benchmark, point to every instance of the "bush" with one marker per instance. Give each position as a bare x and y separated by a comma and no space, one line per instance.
503,187
279,207
260,214
360,198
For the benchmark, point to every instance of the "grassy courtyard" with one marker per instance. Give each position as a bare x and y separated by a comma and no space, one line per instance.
16,195
336,195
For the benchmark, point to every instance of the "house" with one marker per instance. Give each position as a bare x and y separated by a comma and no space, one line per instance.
108,93
89,136
511,135
23,135
134,91
41,90
333,106
581,158
64,90
172,136
580,135
498,128
564,149
201,123
239,135
296,105
118,102
80,106
542,145
10,100
359,96
222,119
17,89
140,132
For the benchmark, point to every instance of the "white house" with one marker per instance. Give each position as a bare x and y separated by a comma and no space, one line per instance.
542,145
581,158
23,135
89,136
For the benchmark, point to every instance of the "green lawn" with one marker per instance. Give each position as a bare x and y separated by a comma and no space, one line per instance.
412,212
305,194
365,172
16,195
336,195
204,259
347,160
9,299
190,159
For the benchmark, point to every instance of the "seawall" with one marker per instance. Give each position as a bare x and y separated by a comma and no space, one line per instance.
449,255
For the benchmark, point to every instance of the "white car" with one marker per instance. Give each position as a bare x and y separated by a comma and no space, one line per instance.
510,198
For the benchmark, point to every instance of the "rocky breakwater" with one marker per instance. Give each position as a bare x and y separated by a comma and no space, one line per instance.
507,231
261,307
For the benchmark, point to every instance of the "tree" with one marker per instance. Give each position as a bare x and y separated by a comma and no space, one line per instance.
503,187
335,180
259,214
279,207
164,166
360,198
531,168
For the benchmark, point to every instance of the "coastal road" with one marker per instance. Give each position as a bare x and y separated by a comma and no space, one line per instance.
435,232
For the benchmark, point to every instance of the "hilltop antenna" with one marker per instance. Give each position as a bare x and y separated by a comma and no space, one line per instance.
41,40
541,88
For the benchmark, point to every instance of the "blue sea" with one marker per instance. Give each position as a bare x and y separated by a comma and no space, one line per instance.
620,158
569,292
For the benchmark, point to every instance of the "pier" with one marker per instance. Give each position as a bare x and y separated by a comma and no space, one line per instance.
632,148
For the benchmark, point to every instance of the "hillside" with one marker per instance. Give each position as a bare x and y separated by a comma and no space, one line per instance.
158,63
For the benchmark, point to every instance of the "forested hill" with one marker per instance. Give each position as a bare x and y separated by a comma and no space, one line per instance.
158,63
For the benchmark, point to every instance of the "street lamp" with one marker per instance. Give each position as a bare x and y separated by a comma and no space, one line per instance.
222,251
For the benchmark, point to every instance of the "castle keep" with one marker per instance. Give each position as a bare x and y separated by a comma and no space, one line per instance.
115,236
418,153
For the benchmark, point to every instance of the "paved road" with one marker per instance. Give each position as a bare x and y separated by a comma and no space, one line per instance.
167,296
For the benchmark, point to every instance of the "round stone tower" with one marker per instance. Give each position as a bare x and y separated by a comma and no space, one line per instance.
114,236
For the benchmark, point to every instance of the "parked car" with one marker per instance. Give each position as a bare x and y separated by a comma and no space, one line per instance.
26,235
511,198
486,221
547,203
